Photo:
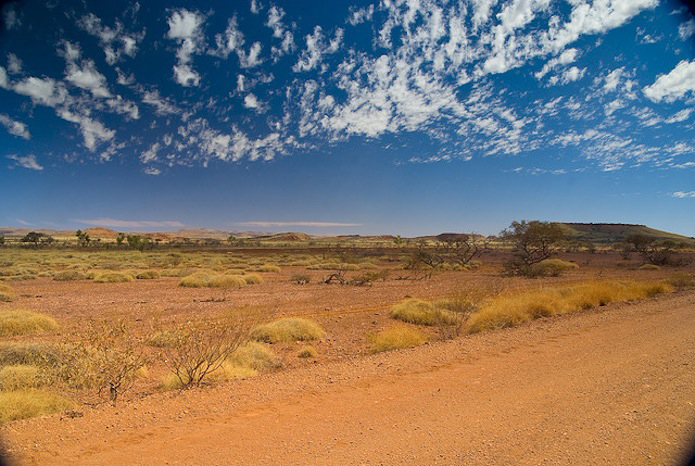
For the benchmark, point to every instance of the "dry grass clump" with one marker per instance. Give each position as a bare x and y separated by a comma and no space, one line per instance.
288,329
17,322
35,354
308,352
417,311
394,338
512,309
69,275
267,268
6,297
650,267
112,277
196,280
23,404
227,281
682,281
20,377
5,288
253,355
162,339
148,275
253,279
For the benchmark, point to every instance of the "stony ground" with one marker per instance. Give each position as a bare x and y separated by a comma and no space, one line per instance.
610,386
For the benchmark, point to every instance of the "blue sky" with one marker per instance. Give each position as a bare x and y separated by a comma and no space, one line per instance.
403,117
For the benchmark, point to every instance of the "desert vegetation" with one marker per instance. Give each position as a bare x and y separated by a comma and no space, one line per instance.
105,323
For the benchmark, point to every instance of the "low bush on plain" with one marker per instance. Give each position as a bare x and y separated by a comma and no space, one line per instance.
395,338
6,297
34,354
253,355
227,281
682,281
18,322
300,279
24,404
148,275
20,377
288,329
196,280
252,279
69,275
513,309
113,277
417,311
308,352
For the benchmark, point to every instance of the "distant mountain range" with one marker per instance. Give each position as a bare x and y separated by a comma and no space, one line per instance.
601,233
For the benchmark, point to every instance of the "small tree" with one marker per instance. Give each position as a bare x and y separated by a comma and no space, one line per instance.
120,238
532,242
654,251
2,240
82,237
138,242
37,238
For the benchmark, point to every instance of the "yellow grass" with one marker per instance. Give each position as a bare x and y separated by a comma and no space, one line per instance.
268,268
5,288
20,377
37,354
394,338
288,329
112,277
6,297
256,356
253,279
417,311
682,281
23,404
513,309
20,322
68,275
650,267
148,275
196,280
308,352
227,281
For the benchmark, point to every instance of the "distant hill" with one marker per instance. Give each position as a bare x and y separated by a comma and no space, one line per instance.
616,232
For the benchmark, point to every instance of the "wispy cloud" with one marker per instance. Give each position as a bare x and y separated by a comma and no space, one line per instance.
29,162
684,194
298,224
114,223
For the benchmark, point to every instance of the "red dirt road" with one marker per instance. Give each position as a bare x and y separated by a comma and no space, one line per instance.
612,386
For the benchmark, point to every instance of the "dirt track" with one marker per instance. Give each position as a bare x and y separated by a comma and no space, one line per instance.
612,386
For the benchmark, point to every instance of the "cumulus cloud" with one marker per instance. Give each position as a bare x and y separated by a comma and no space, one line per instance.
14,64
15,128
107,222
686,29
116,41
152,171
295,224
93,131
11,17
684,194
185,27
317,45
673,85
360,15
29,162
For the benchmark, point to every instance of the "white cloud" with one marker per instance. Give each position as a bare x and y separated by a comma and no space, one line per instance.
674,85
115,41
87,77
11,17
252,102
15,128
360,15
280,31
680,116
150,155
252,58
152,171
316,48
297,224
566,57
43,91
684,194
107,222
93,132
29,162
163,106
185,28
686,29
14,64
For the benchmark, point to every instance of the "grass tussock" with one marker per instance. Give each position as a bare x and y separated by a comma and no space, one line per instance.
148,275
395,338
5,288
682,281
162,339
69,275
256,356
650,267
513,309
253,279
288,329
34,354
227,281
308,352
20,377
267,268
6,297
20,322
196,280
23,404
113,277
417,311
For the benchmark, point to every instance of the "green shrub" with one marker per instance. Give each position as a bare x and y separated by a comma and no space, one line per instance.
417,311
148,275
288,329
20,322
395,338
24,404
68,275
112,277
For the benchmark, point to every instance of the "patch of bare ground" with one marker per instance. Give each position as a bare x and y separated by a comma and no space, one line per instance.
614,385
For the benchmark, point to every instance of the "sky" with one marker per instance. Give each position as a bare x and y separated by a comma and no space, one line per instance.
407,117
